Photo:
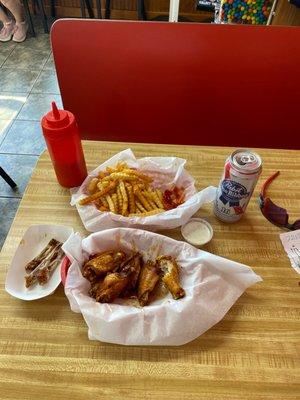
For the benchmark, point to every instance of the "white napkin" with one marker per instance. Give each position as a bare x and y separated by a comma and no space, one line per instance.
212,285
165,171
291,244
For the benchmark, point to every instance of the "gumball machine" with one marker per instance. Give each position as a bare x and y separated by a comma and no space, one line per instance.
254,12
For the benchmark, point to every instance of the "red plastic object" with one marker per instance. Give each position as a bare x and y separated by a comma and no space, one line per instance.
64,145
203,84
64,269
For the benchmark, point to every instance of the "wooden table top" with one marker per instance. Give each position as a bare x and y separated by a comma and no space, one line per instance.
253,353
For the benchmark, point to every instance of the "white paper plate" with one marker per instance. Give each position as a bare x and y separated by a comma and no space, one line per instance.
34,240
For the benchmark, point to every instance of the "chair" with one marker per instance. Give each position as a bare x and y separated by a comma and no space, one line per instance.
181,83
87,4
28,18
141,11
7,178
40,4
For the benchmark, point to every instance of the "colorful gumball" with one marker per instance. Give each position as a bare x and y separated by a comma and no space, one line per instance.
245,11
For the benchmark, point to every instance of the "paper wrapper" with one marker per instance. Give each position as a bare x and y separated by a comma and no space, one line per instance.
165,172
291,244
212,285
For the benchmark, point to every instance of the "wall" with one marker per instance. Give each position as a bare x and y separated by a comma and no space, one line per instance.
126,9
286,14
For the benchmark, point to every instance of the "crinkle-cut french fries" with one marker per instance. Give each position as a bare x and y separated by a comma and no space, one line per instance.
127,191
131,199
121,176
124,198
102,185
147,213
92,186
120,198
139,194
157,197
110,203
138,174
97,195
114,198
104,202
140,207
149,196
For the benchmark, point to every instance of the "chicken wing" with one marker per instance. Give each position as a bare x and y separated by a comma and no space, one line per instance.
147,281
95,285
105,262
133,265
89,274
112,286
170,275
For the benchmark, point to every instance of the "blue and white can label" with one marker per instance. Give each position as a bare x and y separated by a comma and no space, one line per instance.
241,172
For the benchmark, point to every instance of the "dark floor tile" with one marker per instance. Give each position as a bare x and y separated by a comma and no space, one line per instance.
24,137
26,58
10,104
40,42
46,83
8,46
4,52
8,209
5,124
19,168
3,57
17,80
38,105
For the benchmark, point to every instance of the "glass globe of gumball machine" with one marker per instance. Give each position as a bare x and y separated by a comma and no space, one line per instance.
254,12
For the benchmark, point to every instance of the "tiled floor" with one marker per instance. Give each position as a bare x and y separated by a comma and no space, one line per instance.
28,84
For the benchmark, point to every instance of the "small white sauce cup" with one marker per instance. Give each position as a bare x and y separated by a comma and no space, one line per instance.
200,222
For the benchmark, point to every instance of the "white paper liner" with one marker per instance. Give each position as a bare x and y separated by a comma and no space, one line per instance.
212,285
165,171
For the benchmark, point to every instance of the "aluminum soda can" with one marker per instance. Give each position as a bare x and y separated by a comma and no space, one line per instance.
241,172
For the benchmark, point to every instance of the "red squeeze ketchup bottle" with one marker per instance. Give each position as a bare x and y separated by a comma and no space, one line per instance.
64,145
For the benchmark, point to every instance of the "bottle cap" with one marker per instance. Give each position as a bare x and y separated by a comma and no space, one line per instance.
56,118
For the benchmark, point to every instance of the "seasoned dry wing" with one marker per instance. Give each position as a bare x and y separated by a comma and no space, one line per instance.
89,274
170,275
132,265
147,281
114,275
40,257
136,266
105,262
112,286
94,287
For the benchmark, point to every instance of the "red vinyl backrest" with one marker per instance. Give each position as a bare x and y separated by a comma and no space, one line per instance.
186,83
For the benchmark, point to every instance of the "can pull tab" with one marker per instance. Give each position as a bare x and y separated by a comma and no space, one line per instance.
247,158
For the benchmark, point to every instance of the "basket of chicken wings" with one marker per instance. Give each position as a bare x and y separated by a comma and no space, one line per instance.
135,287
